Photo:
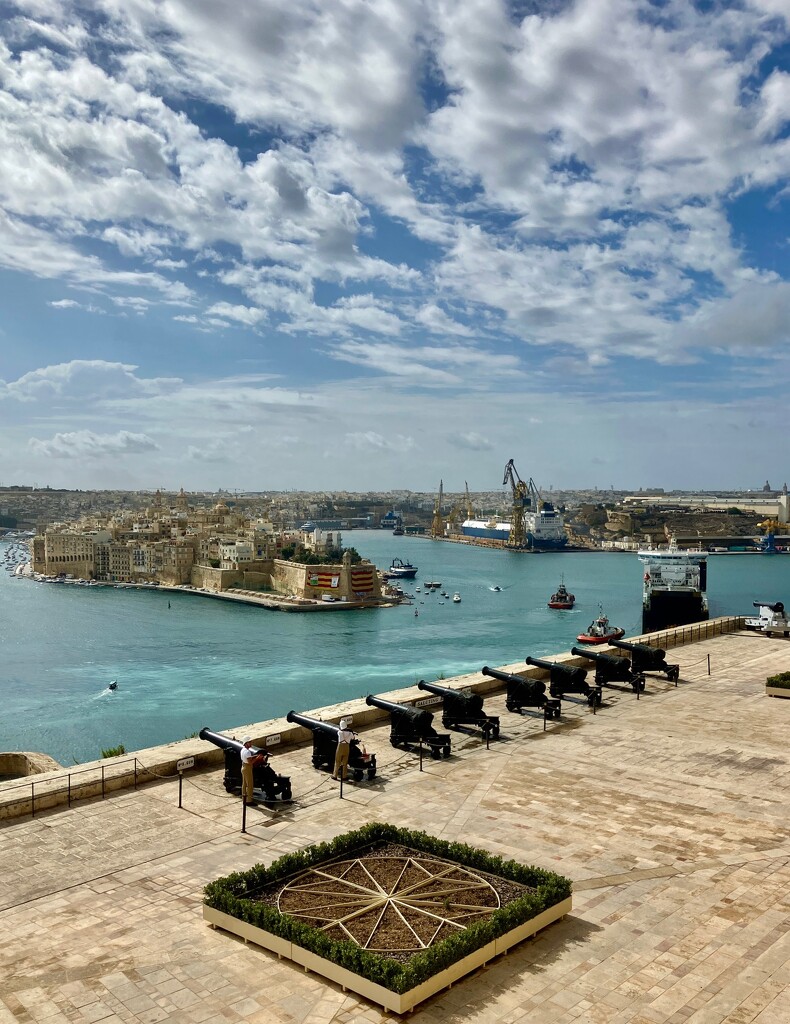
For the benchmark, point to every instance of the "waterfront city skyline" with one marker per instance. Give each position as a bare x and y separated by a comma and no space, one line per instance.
367,246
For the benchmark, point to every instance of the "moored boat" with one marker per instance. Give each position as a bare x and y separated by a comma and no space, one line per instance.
600,631
674,587
400,570
562,599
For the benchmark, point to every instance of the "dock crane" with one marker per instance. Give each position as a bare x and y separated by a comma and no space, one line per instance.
437,525
470,513
521,502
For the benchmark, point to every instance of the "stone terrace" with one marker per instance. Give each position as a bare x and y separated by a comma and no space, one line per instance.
669,814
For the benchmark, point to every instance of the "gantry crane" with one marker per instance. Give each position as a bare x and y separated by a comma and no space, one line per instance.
522,501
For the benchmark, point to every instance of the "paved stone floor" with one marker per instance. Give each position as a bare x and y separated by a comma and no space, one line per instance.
669,813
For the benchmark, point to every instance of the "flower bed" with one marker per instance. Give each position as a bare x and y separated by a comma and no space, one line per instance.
391,914
779,685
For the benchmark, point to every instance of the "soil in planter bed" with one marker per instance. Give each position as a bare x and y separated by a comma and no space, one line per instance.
390,899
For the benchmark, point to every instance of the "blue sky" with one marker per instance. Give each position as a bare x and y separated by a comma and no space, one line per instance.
366,244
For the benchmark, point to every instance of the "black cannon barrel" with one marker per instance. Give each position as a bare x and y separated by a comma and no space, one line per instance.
600,658
264,776
645,658
421,717
509,677
644,650
568,679
472,701
313,724
410,725
611,669
775,606
462,707
442,691
569,673
224,742
325,740
524,693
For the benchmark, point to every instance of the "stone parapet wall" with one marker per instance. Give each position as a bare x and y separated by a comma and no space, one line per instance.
98,777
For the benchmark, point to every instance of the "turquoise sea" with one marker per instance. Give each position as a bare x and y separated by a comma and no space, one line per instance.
204,662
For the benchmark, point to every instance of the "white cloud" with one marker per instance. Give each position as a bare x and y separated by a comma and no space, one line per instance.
82,379
474,442
371,440
248,315
84,444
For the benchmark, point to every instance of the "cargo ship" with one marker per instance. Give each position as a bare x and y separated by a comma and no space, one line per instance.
674,586
544,528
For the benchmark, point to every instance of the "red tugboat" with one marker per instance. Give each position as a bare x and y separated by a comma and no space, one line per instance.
562,599
600,631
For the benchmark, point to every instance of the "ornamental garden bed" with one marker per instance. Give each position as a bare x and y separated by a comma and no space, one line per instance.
391,914
778,686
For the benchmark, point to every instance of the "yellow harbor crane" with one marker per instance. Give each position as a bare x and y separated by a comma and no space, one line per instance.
470,514
521,502
437,524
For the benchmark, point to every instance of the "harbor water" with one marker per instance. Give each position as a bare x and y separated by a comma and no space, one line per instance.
206,662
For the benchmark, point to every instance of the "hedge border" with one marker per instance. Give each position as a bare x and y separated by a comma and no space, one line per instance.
231,893
780,682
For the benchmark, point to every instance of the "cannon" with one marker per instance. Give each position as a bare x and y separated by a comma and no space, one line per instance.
645,658
611,669
460,707
264,777
568,679
410,726
325,747
524,693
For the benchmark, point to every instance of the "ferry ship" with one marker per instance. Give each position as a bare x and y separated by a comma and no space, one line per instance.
674,587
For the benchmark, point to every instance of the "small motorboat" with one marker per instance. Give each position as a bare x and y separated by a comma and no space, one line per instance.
562,599
113,685
496,589
456,598
600,631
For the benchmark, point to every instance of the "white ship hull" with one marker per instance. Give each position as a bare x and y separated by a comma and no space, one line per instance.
674,587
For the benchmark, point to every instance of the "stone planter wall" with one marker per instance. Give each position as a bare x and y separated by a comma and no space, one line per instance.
394,1002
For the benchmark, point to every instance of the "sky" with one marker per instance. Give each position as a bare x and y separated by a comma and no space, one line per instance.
372,244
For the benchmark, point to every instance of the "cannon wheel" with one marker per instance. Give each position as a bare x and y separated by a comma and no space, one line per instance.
229,786
435,753
495,732
446,751
286,793
358,775
371,774
512,707
595,698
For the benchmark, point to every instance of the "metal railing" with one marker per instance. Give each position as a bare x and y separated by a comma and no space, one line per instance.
680,635
52,791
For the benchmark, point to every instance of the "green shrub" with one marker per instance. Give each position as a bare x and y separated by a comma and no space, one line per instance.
781,681
232,893
114,751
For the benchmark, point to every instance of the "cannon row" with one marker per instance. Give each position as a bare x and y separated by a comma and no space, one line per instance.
412,727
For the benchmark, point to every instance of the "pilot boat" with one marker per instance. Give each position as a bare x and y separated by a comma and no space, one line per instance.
562,598
600,631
